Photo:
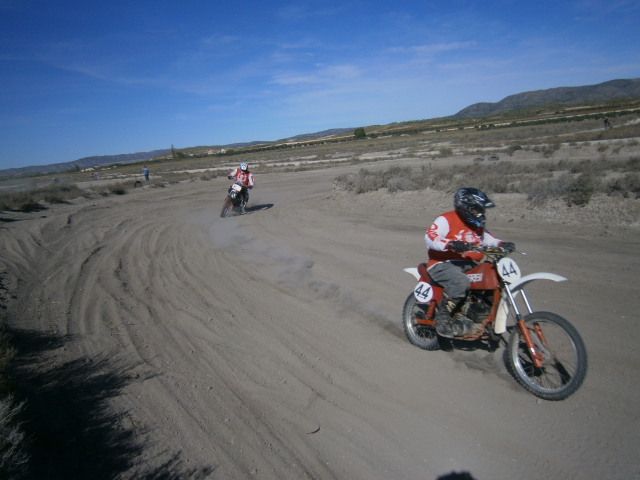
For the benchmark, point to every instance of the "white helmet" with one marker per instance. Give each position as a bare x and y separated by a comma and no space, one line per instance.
244,167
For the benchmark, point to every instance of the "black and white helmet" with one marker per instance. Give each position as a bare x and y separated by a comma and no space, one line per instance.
471,203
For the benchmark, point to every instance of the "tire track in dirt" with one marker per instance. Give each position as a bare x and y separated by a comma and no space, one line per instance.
270,343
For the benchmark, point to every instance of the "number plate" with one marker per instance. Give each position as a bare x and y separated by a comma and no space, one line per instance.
236,187
423,292
508,270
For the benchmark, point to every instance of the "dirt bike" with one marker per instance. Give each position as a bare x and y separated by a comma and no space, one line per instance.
234,200
544,353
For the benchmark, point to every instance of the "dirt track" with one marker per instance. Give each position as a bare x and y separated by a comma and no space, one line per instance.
167,342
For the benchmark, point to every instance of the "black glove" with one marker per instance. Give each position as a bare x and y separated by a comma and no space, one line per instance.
457,246
508,247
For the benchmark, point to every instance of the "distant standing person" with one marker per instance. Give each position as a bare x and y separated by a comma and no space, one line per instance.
607,124
145,172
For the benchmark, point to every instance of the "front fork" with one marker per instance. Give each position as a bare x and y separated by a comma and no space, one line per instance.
535,344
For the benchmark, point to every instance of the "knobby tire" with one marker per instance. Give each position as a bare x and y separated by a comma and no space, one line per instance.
422,336
226,206
565,365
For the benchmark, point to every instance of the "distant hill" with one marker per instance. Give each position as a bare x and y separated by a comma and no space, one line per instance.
86,162
323,133
588,93
563,95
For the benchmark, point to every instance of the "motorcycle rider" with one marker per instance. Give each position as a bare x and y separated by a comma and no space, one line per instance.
242,176
449,260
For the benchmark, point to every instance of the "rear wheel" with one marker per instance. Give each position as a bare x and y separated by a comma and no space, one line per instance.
564,363
422,336
225,207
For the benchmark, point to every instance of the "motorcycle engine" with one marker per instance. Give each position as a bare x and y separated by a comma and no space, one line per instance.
477,308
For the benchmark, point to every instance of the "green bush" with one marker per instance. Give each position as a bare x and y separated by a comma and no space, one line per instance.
359,133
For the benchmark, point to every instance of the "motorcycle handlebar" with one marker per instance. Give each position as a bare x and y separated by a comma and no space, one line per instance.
486,250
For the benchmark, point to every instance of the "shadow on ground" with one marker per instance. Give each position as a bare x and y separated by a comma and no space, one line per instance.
72,431
456,476
256,208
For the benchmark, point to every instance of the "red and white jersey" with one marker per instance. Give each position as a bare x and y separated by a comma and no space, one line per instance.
449,227
243,178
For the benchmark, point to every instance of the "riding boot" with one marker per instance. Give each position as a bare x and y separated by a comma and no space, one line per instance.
463,326
445,325
443,317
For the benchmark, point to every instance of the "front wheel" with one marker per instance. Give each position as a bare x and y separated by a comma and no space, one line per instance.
225,207
422,336
564,363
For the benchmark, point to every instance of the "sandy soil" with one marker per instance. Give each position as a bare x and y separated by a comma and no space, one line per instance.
158,340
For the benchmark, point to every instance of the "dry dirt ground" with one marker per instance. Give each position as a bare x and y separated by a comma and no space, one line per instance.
158,340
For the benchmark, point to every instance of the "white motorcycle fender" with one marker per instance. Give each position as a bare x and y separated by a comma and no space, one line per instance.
413,271
503,306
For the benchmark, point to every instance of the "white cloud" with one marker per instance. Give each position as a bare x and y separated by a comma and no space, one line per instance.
433,49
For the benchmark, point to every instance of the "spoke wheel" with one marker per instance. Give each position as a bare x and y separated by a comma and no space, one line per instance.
225,207
422,336
564,365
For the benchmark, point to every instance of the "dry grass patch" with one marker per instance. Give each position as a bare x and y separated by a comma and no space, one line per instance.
574,182
30,200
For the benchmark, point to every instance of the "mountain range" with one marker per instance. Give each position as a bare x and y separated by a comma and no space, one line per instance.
588,93
622,88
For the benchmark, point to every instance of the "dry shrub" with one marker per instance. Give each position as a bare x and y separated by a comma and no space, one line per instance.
399,183
117,188
29,201
625,186
12,456
446,152
13,459
19,201
208,175
581,189
575,182
368,181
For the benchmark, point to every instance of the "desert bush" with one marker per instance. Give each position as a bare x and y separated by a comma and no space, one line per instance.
575,182
368,181
12,455
13,458
29,201
116,188
206,176
446,152
58,193
633,164
624,186
580,189
399,183
548,151
19,201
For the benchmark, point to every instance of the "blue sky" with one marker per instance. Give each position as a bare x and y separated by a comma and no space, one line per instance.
82,78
